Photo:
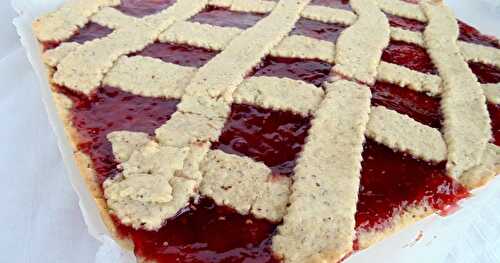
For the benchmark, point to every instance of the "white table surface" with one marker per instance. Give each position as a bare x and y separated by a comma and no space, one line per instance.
40,220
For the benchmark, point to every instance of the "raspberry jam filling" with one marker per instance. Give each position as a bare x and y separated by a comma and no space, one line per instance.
406,23
485,73
417,105
392,182
203,233
108,110
272,137
179,54
217,16
311,71
141,8
315,29
409,55
472,35
89,32
495,122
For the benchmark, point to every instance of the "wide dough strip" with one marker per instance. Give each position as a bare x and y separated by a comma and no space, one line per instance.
319,223
360,46
466,123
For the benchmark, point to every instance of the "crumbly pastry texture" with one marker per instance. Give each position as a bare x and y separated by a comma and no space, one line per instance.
319,223
398,131
160,174
244,184
467,127
360,46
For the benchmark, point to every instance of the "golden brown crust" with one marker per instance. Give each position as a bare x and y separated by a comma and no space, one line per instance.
84,165
399,222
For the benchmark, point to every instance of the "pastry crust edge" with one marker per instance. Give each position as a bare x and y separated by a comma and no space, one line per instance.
84,164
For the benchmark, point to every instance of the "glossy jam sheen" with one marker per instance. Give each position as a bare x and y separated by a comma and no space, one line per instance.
418,105
472,35
392,181
495,124
319,30
222,17
204,232
272,137
485,73
110,109
89,32
141,8
405,23
409,55
311,71
182,55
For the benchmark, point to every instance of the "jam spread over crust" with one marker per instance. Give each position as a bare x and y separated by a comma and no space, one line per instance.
205,232
212,15
110,109
391,181
272,137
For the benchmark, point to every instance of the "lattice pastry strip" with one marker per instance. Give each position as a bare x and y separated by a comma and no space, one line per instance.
461,107
245,185
360,46
320,219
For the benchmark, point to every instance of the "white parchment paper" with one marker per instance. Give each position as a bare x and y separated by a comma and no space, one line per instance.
440,235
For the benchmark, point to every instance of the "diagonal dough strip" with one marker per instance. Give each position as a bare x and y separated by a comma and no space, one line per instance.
467,127
359,47
320,220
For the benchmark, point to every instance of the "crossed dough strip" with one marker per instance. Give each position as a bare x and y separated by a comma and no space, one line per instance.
359,47
467,127
319,223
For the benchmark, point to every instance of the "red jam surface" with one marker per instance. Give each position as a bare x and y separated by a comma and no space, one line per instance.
272,137
311,71
179,54
315,29
205,232
341,4
410,56
141,8
89,32
472,35
217,16
495,123
485,73
110,109
406,23
418,105
392,181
